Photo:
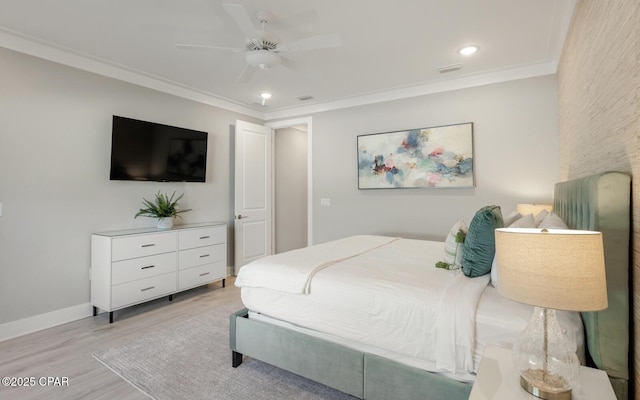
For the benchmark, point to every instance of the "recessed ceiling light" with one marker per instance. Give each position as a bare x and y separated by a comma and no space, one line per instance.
265,96
468,50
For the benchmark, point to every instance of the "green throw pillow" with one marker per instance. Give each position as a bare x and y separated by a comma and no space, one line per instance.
480,243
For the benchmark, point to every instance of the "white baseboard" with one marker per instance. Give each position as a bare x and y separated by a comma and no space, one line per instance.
10,330
36,323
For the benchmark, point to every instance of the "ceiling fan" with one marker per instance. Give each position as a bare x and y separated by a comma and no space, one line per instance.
263,49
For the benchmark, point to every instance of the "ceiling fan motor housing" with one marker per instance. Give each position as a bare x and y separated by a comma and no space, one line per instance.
265,41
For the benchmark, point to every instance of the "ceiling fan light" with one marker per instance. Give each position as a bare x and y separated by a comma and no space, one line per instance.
262,59
468,50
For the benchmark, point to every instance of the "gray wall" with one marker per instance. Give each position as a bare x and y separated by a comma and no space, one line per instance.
55,138
290,177
515,151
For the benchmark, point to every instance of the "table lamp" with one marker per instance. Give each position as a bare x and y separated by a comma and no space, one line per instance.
550,269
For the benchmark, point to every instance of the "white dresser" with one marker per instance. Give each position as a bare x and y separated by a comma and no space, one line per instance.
133,266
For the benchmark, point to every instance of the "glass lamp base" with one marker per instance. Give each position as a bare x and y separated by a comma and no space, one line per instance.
545,385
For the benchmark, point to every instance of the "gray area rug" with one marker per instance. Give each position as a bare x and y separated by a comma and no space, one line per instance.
192,360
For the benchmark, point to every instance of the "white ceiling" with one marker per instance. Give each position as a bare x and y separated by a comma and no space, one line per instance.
389,49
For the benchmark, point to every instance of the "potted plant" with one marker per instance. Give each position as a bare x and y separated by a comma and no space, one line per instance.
164,208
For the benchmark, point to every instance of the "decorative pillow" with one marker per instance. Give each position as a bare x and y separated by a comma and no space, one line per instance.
553,221
525,222
494,273
453,246
511,218
541,216
480,244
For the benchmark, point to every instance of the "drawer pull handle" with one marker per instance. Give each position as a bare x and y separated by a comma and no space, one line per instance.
204,237
149,288
148,266
204,273
204,255
148,245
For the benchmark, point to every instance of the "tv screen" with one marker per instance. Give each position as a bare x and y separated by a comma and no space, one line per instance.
146,151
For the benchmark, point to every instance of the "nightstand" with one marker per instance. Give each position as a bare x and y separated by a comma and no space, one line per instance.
498,380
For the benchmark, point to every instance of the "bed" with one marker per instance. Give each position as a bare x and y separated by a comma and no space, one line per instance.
424,328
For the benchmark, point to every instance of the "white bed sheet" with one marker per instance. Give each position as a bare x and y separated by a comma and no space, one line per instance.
374,302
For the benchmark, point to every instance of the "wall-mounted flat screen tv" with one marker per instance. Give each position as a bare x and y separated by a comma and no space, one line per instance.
147,151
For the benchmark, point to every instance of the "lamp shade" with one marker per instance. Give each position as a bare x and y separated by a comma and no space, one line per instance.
555,268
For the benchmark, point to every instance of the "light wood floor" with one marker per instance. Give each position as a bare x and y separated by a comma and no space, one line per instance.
65,350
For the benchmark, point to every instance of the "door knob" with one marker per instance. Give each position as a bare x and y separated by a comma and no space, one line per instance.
240,216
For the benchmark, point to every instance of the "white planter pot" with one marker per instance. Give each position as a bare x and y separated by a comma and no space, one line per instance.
165,223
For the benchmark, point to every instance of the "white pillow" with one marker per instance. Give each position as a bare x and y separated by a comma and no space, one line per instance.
553,221
494,273
452,249
540,217
511,218
525,222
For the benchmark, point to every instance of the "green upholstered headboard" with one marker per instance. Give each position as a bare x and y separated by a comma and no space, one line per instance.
602,203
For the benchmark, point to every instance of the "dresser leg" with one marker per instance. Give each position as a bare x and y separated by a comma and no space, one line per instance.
170,297
223,282
111,317
95,311
236,359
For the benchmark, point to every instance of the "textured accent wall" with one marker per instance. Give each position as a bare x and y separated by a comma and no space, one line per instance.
599,110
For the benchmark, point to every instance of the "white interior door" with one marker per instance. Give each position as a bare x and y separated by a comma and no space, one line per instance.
252,192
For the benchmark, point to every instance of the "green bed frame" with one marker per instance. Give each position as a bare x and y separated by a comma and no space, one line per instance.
600,202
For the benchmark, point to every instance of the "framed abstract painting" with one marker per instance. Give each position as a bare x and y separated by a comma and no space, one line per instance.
436,157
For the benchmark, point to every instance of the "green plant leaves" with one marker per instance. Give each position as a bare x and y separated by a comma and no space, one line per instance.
164,206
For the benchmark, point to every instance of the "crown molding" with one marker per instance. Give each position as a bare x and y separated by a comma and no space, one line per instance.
34,47
27,45
511,74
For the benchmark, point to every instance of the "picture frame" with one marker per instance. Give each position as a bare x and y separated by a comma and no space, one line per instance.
433,157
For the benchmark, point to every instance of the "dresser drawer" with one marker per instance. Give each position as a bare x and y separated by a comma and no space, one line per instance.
191,238
201,275
143,267
201,255
143,289
142,245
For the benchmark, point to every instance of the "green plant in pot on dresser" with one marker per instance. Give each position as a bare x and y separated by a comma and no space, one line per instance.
164,208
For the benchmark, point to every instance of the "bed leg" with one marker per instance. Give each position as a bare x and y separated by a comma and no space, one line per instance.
236,359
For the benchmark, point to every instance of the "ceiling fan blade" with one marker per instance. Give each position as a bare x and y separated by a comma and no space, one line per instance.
307,73
239,14
312,43
246,74
207,47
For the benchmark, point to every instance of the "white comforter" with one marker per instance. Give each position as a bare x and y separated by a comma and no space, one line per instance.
292,271
377,290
